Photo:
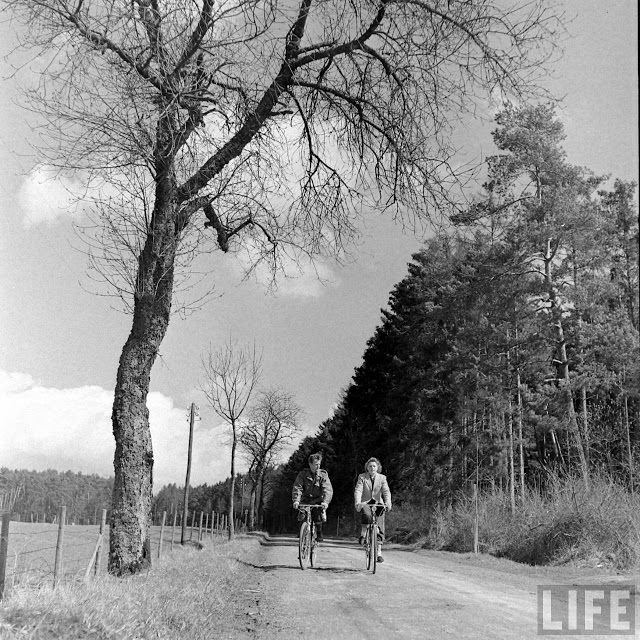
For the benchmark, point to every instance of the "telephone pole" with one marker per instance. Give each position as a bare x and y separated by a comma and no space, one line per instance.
185,512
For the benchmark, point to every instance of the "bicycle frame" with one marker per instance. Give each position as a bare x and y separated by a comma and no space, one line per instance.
371,536
307,538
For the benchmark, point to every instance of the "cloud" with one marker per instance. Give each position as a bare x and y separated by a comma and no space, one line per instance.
307,281
297,277
46,195
70,429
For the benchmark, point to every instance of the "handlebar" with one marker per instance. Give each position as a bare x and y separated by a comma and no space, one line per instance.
316,506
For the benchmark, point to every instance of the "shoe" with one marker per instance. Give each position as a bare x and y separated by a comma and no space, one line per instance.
361,540
380,559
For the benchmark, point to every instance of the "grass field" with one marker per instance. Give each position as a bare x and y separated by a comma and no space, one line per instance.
192,593
32,549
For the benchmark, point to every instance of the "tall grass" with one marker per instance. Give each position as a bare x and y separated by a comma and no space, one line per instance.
568,523
190,593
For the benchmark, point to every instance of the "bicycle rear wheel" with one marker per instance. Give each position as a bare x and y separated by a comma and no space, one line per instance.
374,546
303,545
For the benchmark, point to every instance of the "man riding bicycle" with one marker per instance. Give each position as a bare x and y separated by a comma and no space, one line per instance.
372,487
312,486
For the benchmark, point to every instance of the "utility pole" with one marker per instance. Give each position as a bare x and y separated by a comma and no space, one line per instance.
185,513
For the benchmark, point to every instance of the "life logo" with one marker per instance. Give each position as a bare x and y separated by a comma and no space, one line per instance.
602,609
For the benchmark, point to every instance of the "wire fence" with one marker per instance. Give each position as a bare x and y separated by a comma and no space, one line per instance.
39,553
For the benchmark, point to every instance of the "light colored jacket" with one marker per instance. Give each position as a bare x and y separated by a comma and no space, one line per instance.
366,489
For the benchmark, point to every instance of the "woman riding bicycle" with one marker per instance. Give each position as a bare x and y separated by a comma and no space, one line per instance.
312,486
372,487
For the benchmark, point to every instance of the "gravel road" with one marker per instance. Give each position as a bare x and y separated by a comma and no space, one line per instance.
415,594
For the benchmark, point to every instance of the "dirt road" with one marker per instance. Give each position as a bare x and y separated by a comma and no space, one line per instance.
414,594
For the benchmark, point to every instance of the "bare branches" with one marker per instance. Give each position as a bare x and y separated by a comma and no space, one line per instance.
273,423
288,120
230,376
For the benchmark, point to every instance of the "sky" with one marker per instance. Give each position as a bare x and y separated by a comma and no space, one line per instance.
60,344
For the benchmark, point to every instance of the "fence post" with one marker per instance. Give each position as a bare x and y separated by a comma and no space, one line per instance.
475,519
4,546
164,517
338,527
94,555
173,529
103,522
200,528
58,563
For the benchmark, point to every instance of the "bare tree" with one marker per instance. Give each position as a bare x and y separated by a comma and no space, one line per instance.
273,422
231,374
263,126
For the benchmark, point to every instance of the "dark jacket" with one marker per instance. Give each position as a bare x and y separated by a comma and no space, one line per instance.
312,489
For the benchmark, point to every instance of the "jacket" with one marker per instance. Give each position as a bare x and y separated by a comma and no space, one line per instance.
366,490
310,488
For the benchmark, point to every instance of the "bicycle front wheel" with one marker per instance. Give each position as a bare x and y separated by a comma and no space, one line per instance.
374,547
367,547
313,552
303,545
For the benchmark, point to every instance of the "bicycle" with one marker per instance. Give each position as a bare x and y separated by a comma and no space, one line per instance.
371,536
307,539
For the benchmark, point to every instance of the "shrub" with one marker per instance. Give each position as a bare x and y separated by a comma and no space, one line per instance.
567,523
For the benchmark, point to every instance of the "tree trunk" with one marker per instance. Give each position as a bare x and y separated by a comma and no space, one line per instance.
520,436
512,470
260,499
252,508
557,451
627,428
234,444
563,363
629,449
129,546
129,550
585,424
465,456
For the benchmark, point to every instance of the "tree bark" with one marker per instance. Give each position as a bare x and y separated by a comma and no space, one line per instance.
563,363
260,500
234,444
520,436
512,470
252,508
129,550
585,424
129,546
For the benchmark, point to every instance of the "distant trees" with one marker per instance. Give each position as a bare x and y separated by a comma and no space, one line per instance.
274,421
507,351
231,374
253,126
203,497
40,494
